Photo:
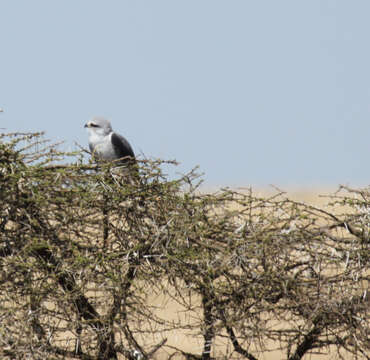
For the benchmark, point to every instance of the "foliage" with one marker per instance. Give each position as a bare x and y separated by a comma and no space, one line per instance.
86,248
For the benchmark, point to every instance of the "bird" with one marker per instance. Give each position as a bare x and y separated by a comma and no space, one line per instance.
106,145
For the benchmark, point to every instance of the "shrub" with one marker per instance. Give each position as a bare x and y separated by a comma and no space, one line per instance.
85,247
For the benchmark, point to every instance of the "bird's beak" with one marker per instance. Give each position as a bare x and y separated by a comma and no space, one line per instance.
86,125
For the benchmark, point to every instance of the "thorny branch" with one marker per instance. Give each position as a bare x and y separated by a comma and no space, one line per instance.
85,255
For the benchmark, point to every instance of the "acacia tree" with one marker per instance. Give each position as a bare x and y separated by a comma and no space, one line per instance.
83,249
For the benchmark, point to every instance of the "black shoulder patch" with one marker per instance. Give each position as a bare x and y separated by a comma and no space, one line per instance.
121,146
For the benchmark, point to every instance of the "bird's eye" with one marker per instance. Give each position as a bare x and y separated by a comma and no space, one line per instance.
94,125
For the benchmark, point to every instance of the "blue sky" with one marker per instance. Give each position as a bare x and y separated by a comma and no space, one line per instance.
254,92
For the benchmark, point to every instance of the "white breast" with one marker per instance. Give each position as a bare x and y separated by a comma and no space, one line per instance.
102,146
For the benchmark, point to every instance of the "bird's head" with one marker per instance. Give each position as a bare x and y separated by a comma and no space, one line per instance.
98,126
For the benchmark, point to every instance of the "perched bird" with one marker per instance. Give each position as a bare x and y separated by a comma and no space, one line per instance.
107,145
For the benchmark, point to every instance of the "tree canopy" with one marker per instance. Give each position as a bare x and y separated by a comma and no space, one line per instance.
85,249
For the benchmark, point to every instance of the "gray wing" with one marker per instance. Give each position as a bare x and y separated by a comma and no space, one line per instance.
121,147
